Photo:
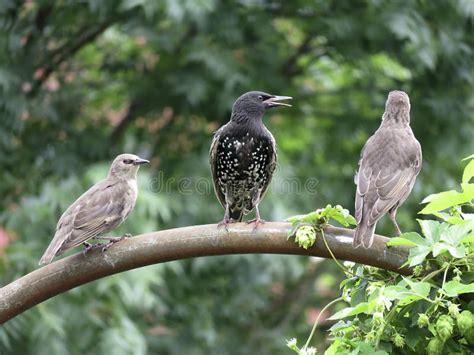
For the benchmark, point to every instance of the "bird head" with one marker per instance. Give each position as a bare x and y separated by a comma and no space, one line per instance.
253,104
398,98
126,166
397,106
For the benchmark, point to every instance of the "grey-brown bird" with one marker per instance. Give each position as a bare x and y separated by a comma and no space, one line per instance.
243,156
100,209
390,161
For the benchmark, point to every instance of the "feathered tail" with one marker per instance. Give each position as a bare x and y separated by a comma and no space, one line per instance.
52,250
364,235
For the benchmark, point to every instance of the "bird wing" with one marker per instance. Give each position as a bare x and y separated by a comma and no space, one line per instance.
99,210
390,190
384,181
270,166
213,163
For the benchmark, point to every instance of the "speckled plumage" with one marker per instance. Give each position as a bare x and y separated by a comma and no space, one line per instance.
243,157
100,209
390,161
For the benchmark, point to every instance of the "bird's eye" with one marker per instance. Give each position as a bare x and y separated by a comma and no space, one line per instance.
260,97
127,161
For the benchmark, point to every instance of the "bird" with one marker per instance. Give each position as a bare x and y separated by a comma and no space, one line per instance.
99,210
390,162
243,156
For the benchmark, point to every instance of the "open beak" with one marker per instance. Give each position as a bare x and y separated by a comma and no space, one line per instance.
140,161
275,101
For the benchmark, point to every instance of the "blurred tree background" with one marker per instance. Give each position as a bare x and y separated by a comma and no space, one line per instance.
82,81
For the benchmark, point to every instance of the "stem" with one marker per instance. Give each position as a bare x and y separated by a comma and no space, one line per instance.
337,261
445,274
332,255
414,294
432,274
390,315
317,320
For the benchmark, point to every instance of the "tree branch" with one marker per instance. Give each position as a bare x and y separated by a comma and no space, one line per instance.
131,115
122,125
183,243
83,37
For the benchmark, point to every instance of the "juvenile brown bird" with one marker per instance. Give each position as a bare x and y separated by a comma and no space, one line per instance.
100,209
390,161
243,156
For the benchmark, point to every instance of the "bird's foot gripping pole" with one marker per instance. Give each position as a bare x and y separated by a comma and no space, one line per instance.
88,247
225,222
257,220
113,240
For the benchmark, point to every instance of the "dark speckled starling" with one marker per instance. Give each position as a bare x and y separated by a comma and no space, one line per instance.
243,156
390,161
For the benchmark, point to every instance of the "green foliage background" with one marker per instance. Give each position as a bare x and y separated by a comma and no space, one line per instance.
81,81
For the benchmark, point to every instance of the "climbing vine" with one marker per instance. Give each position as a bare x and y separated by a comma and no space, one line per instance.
432,311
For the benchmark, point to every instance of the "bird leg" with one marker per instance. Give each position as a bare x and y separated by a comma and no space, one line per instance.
88,247
256,193
113,240
257,220
393,214
227,220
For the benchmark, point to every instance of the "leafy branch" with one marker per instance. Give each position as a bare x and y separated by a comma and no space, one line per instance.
425,312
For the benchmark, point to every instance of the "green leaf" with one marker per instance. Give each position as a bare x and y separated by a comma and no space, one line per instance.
450,219
320,216
393,292
418,255
455,251
351,311
407,291
431,230
367,349
410,239
468,172
468,239
338,347
446,199
342,326
309,217
346,221
468,192
339,214
454,288
419,287
454,234
413,338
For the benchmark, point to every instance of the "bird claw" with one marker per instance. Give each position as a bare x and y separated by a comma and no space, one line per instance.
225,222
106,247
113,240
257,221
88,247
